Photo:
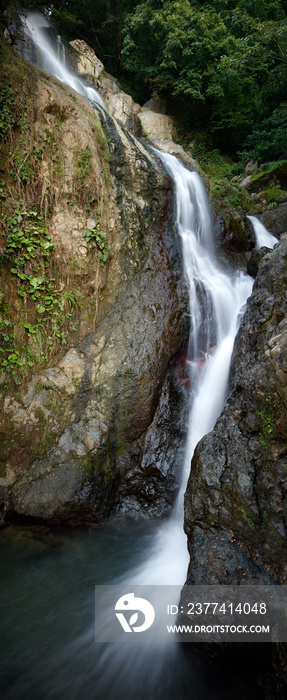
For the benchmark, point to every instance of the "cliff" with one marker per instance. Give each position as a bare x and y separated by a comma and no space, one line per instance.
92,310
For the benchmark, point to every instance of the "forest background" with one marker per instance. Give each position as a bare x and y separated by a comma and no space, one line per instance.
221,65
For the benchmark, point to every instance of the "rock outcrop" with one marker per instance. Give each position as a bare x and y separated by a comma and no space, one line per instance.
85,60
94,405
276,219
235,505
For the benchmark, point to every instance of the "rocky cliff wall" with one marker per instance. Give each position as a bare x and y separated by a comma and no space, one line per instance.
82,392
235,507
235,503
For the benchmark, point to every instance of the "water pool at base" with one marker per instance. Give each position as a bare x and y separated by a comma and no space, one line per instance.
48,648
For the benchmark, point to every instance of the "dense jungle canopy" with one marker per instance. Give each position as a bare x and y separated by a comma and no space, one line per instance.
221,64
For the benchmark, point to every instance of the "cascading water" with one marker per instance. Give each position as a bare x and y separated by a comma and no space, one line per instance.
215,305
66,662
263,237
61,50
52,59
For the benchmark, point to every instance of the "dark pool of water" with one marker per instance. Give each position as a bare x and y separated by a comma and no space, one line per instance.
48,649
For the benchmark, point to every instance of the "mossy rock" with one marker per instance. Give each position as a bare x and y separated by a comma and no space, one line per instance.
273,194
234,232
229,194
276,220
276,174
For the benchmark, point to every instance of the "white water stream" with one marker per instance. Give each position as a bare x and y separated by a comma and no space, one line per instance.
263,237
53,57
216,302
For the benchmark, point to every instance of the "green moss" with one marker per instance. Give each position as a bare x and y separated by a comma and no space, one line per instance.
275,172
39,413
248,520
229,194
273,417
272,194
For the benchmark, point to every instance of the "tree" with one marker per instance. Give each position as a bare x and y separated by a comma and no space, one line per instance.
225,65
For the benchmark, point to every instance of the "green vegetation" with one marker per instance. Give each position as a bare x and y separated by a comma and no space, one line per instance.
221,64
233,196
273,418
97,239
41,305
9,118
84,164
248,520
50,312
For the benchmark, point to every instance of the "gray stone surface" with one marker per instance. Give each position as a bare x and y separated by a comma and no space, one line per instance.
238,475
99,400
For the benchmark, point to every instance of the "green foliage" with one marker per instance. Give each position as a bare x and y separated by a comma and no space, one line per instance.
230,194
268,140
28,252
248,520
2,190
97,239
225,63
8,119
84,163
99,23
273,418
26,238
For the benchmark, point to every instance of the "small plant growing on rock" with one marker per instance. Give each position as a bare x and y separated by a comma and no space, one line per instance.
97,239
84,163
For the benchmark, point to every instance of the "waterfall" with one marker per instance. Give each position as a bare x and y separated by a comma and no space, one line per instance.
216,301
263,237
61,50
52,58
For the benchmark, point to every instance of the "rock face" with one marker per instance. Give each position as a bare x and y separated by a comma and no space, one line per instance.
235,505
276,219
157,126
102,406
86,61
234,239
120,105
151,468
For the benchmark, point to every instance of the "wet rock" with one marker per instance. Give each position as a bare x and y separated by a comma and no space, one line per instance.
234,233
275,219
114,375
264,179
151,469
236,490
168,146
254,261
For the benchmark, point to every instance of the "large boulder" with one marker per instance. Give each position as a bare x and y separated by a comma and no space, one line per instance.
156,126
85,60
275,219
121,106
